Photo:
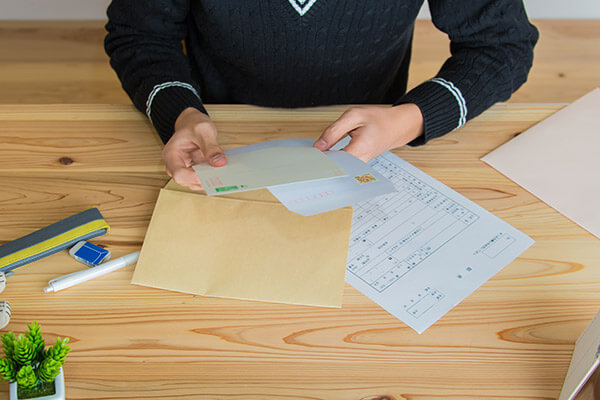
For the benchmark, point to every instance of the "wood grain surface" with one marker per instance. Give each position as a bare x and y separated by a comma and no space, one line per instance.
511,339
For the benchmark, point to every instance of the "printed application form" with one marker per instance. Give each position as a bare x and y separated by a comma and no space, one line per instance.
420,251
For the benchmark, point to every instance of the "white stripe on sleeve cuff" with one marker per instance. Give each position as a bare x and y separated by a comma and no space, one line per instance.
458,96
161,86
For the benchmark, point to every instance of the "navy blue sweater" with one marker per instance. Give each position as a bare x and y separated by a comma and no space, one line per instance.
301,53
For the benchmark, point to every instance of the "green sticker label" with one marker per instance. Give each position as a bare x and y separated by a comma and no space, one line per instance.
225,188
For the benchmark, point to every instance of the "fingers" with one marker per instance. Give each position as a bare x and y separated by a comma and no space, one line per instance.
193,142
349,121
179,168
208,150
213,152
196,157
187,177
195,131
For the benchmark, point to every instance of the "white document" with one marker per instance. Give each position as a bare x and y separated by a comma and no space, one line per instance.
297,142
317,196
421,251
585,360
558,161
314,197
266,167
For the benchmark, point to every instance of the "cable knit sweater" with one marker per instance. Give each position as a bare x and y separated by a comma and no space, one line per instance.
300,53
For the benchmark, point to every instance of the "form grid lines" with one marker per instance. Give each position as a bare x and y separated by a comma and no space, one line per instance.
421,219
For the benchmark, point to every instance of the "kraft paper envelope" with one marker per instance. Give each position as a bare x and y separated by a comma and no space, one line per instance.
558,161
249,248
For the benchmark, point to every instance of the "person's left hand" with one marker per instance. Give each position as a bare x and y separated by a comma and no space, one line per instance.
374,129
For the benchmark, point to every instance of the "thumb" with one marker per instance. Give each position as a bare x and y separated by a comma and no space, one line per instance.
350,120
213,153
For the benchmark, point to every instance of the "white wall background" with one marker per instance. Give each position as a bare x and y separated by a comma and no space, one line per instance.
550,9
95,9
53,9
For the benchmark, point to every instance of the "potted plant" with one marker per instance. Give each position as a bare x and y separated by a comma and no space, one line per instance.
34,372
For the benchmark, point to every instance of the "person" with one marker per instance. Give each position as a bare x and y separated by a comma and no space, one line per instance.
303,53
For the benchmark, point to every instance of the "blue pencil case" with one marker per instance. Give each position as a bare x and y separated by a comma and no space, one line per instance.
52,239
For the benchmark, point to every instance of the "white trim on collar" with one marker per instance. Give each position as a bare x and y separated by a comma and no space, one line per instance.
302,6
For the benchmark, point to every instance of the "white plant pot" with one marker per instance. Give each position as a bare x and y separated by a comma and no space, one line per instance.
59,385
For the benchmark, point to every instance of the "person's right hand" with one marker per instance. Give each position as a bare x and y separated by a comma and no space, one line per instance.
193,142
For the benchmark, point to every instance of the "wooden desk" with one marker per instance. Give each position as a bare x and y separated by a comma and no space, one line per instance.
512,339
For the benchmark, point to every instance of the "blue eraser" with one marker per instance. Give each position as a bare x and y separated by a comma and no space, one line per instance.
89,254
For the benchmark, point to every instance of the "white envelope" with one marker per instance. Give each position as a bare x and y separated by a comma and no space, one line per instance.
266,167
558,160
314,197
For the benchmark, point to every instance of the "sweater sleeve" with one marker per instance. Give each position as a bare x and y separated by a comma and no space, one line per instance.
144,43
491,46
